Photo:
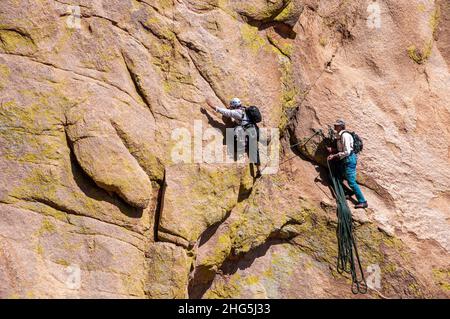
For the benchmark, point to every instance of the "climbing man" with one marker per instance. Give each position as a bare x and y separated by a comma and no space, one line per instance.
246,131
345,153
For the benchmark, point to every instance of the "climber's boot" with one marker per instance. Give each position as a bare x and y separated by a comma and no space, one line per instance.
361,205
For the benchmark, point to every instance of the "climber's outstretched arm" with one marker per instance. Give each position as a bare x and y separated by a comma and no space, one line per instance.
234,114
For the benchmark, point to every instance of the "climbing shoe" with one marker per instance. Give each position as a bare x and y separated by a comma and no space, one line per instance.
361,205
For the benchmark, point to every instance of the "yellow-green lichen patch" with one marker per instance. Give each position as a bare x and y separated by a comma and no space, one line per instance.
38,113
420,56
255,221
38,179
434,20
165,4
281,46
252,230
62,262
287,12
32,126
4,76
268,273
159,28
251,280
4,71
225,288
213,193
47,227
289,96
442,278
389,253
421,7
13,41
251,38
30,295
132,282
374,243
317,237
41,190
221,251
39,249
224,5
167,86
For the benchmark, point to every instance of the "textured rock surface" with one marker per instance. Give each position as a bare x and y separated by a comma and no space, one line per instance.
92,203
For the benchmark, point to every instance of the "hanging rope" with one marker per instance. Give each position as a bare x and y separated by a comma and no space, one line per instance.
347,249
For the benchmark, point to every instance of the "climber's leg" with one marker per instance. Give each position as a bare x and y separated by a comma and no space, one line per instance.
230,140
347,190
252,148
350,176
240,142
252,145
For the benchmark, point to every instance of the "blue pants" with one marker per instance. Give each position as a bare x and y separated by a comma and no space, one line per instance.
350,175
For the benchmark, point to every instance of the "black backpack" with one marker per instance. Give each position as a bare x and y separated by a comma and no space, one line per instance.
357,142
253,114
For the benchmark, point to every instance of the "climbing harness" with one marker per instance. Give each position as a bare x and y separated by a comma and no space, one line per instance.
347,249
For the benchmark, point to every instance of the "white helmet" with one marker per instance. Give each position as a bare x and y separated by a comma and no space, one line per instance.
235,103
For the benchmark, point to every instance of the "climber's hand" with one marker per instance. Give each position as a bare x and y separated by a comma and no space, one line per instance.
331,157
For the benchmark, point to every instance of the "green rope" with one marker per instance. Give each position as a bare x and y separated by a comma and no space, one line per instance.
347,249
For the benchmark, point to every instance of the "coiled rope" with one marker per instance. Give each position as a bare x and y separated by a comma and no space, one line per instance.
347,248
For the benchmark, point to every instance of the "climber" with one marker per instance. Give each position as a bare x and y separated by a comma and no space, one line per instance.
348,158
246,131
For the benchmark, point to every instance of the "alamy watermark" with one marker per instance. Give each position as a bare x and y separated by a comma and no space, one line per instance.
374,277
73,279
74,17
374,16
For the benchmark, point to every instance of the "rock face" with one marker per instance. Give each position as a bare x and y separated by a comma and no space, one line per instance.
94,95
